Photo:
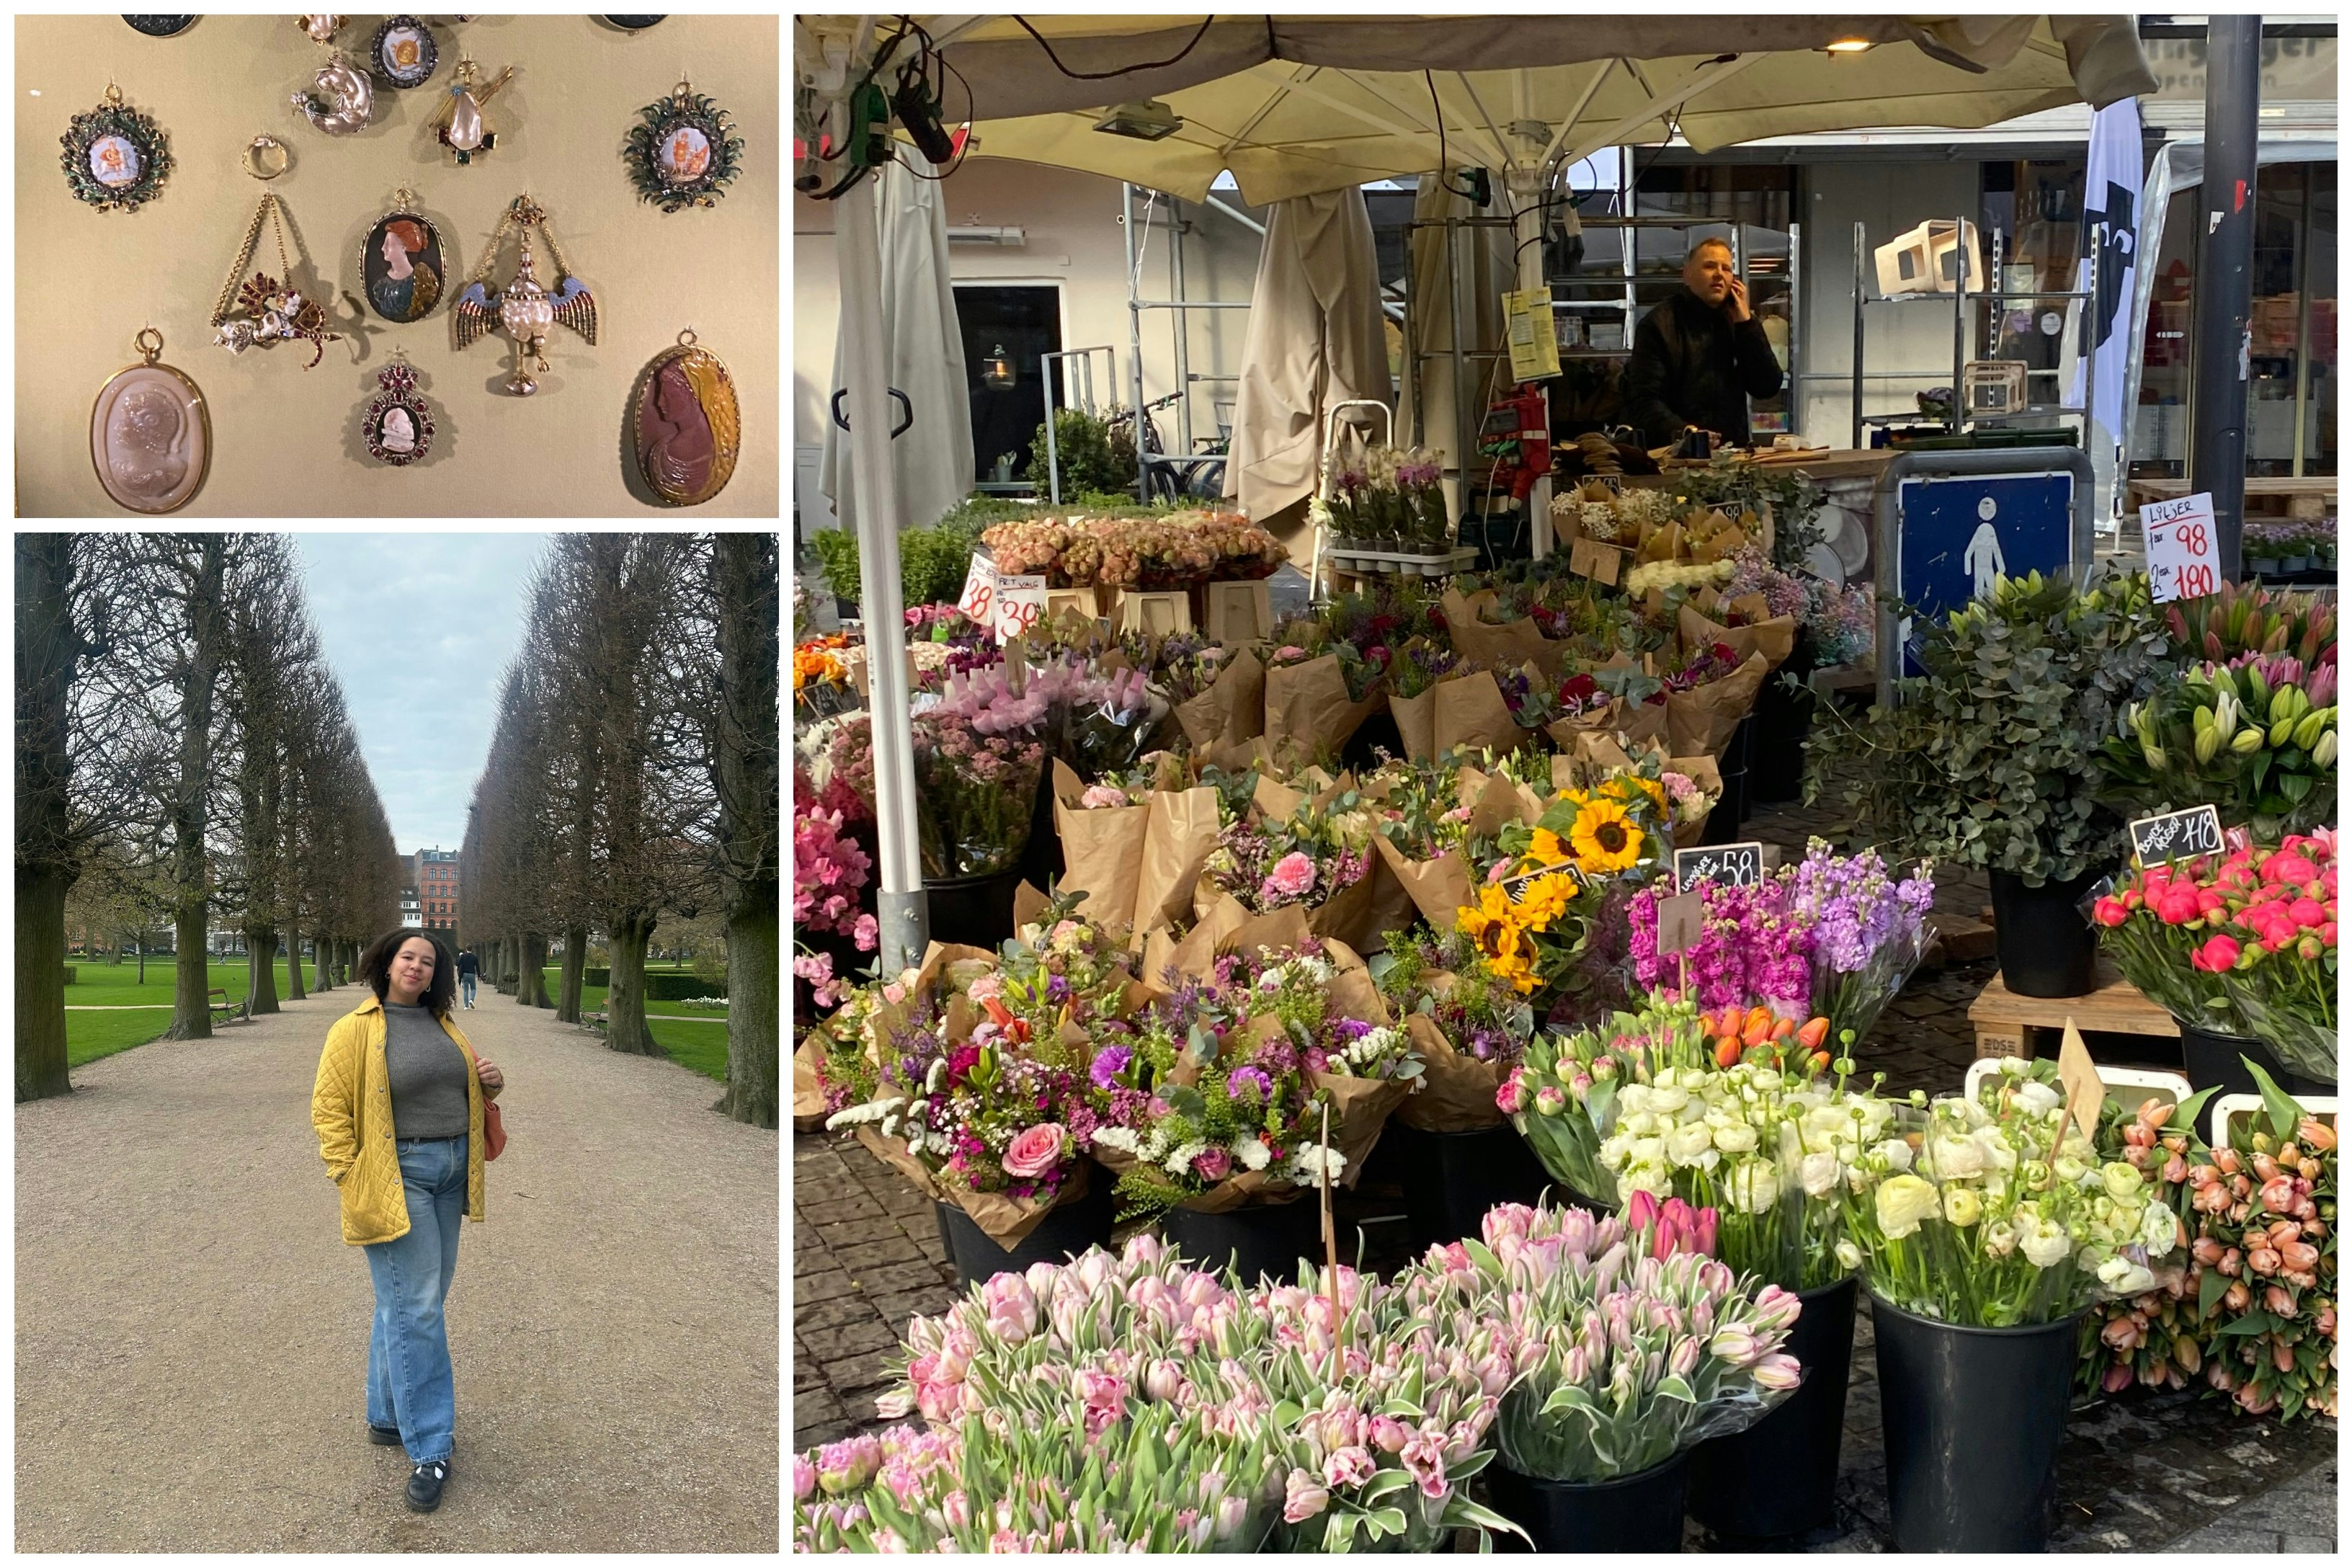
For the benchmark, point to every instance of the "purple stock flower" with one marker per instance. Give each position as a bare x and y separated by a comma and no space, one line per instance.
1108,1063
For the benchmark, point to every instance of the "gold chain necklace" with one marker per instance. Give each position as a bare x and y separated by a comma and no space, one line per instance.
268,310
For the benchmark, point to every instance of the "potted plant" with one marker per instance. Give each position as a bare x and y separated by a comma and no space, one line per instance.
1615,1382
1980,762
1980,1252
2240,949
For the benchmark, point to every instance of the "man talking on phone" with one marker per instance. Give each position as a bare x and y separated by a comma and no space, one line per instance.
1700,356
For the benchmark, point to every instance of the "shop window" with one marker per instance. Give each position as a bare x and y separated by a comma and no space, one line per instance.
1005,328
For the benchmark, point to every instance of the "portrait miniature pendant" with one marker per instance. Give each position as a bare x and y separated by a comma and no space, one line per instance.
150,439
685,152
403,52
400,262
115,158
523,310
459,126
688,428
397,423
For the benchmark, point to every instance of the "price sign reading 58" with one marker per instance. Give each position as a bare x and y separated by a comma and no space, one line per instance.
2182,552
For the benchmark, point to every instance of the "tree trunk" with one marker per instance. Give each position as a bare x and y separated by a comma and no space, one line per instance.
347,958
192,1009
294,964
576,962
624,1000
191,1016
142,960
261,948
753,1043
533,991
322,963
40,991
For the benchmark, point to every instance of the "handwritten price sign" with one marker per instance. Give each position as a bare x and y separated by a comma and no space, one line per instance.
2182,553
1733,865
1007,603
2176,835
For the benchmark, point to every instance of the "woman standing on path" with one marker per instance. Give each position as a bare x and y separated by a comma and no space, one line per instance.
399,1117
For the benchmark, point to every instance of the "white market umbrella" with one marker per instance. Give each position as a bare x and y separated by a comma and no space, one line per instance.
1297,104
1315,340
924,353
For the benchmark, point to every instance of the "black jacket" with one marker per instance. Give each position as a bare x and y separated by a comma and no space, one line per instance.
1691,366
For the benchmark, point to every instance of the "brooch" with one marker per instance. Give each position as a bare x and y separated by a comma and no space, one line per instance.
523,310
397,423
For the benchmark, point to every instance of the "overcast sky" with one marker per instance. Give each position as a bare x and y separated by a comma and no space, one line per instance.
418,628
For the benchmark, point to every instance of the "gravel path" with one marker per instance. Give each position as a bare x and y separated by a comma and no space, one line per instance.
192,1331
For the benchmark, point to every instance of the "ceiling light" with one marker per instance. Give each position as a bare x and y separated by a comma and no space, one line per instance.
1148,120
1845,46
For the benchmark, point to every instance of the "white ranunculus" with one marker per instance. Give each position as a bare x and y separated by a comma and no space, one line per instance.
2000,1239
2037,1097
1689,1145
1957,1159
1736,1139
2159,1229
1755,1186
1849,1256
1647,1151
1896,1154
1819,1174
1902,1203
2124,1278
2046,1245
1669,1100
1632,1099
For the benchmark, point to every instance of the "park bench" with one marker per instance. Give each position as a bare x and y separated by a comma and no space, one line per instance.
227,1011
592,1020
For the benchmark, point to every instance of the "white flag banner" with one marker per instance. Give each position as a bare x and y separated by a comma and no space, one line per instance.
2111,221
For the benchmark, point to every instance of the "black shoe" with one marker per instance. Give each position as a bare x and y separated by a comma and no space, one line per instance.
383,1437
424,1485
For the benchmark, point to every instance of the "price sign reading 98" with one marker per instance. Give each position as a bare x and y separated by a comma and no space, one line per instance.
2182,552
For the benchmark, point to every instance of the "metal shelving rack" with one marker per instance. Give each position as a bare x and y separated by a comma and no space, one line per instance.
1183,457
1961,297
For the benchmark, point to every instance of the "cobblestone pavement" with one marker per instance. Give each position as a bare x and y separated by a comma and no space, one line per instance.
2172,1472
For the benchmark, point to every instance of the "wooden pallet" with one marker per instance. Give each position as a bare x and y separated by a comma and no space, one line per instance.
2011,1025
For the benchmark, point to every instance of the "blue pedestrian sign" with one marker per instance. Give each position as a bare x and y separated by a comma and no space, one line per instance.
1958,535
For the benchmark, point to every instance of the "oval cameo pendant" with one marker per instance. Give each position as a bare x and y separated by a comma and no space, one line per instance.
397,423
400,263
150,439
687,426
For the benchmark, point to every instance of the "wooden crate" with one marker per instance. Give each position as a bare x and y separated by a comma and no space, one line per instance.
2011,1025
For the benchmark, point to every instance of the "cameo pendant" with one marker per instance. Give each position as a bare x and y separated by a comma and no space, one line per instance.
115,158
687,426
397,423
401,267
151,437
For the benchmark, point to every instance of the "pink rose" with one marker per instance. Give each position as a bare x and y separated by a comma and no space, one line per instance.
1212,1164
1034,1152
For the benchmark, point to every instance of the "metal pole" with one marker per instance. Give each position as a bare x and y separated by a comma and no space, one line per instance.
2224,307
1961,256
1461,368
1860,256
903,909
1183,325
1796,325
1134,338
1048,367
1528,193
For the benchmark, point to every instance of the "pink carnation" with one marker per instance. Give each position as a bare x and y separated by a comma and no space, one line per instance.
1293,876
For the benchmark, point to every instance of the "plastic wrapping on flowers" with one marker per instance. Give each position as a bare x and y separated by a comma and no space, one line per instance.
1357,1429
1996,1212
1628,1351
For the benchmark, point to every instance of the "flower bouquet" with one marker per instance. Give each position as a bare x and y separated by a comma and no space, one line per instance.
821,677
2006,1216
2256,737
1314,853
1628,1352
1319,691
1868,931
978,792
1470,1025
2244,943
1438,821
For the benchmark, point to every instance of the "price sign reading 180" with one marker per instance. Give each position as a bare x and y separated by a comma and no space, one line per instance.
2182,550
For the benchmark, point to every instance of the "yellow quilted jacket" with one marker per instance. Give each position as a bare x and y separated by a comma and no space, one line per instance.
351,1105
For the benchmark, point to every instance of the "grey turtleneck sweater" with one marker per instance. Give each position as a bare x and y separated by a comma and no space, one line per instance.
426,1073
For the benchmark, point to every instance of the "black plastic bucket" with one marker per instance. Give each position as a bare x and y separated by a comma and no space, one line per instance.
2047,947
1973,1420
1257,1239
2212,1060
1637,1513
1776,766
1779,1477
1452,1179
1733,807
974,910
1041,860
1068,1228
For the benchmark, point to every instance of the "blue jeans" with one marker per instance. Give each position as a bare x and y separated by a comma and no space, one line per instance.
409,1383
467,981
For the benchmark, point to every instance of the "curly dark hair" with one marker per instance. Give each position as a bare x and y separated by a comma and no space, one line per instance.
375,969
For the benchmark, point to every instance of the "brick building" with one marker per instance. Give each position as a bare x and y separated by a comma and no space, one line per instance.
435,872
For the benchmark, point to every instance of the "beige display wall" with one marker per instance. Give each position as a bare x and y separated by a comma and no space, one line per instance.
285,440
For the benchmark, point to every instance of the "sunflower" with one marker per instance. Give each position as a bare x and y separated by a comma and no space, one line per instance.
1492,925
1605,840
1543,900
1546,848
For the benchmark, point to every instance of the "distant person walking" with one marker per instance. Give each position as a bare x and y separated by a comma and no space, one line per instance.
470,968
399,1117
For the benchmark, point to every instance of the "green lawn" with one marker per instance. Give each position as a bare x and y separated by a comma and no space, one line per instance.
691,1038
